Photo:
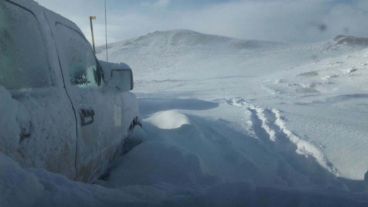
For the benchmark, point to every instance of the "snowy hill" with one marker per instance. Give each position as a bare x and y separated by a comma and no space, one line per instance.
164,50
180,39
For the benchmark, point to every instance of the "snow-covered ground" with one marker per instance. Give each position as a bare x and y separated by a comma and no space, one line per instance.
320,89
228,123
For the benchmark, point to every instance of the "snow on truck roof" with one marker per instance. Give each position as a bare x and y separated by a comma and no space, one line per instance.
36,8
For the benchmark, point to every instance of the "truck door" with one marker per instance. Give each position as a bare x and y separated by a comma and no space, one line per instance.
46,135
99,134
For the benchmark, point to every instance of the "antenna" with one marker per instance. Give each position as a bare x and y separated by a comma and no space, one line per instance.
91,18
107,49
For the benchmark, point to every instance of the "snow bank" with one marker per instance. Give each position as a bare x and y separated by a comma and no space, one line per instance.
168,120
17,186
209,151
37,188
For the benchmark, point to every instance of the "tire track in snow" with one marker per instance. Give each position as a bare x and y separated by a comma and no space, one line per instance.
270,127
303,147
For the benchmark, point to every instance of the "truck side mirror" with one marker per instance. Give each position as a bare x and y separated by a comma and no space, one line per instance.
121,79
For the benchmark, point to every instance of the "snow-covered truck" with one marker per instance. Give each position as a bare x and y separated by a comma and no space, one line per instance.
60,108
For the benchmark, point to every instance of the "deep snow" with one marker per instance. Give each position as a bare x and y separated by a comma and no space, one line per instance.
227,123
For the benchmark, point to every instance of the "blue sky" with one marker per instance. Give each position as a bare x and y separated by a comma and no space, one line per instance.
273,20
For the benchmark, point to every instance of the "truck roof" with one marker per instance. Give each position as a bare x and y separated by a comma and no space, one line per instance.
36,8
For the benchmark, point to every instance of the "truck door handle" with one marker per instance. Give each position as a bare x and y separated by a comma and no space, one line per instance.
87,116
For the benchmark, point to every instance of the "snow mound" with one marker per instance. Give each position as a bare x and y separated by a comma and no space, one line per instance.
168,120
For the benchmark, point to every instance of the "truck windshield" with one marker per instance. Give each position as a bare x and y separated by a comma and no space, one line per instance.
23,63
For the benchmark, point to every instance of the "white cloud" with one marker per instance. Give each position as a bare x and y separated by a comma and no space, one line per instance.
276,20
162,3
158,4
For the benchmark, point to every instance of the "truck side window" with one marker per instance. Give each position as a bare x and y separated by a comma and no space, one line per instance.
23,55
81,61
